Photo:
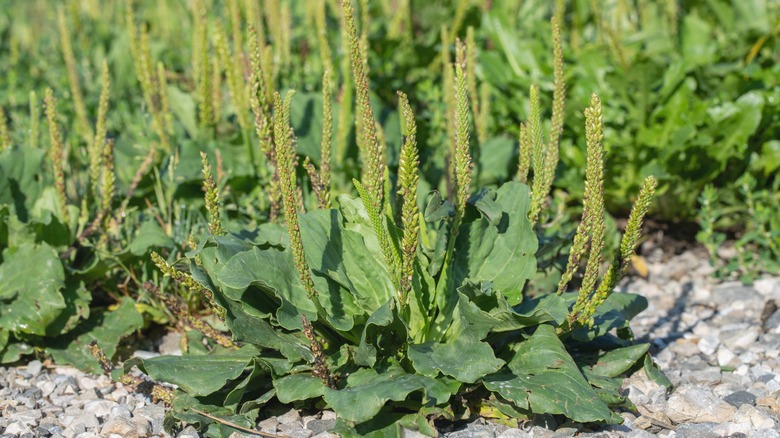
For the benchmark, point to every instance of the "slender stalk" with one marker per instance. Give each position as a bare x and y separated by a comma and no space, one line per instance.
5,134
96,152
373,183
73,77
56,152
35,116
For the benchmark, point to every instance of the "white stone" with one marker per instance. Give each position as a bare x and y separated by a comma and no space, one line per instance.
755,417
740,338
709,344
87,383
17,428
120,426
726,357
101,408
47,387
768,287
290,417
514,433
34,367
328,415
731,429
695,404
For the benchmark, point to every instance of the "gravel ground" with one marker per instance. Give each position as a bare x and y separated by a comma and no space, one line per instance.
718,342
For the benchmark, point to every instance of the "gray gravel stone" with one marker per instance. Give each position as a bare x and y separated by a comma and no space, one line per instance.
406,433
292,416
701,430
268,425
757,418
474,431
300,433
690,403
188,432
34,367
514,433
319,426
740,398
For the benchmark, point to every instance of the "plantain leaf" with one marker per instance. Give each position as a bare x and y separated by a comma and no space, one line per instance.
272,272
31,280
106,327
198,375
502,254
618,361
545,379
296,387
481,310
614,314
463,358
369,389
383,332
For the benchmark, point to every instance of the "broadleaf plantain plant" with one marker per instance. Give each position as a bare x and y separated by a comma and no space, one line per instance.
394,315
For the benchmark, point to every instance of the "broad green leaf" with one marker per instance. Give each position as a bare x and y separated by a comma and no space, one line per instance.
258,380
297,387
23,176
545,379
271,271
698,46
369,389
618,361
386,424
609,391
360,282
502,254
77,300
463,358
198,375
14,351
45,222
106,327
183,107
306,119
487,206
31,280
655,374
247,326
481,310
149,235
384,332
614,314
438,209
496,157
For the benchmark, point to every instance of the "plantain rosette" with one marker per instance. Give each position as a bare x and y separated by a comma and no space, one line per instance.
467,342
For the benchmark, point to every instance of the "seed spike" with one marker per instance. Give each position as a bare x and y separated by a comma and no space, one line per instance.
56,151
463,165
374,154
35,115
408,181
327,137
73,77
96,150
5,135
627,249
593,203
212,197
524,164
